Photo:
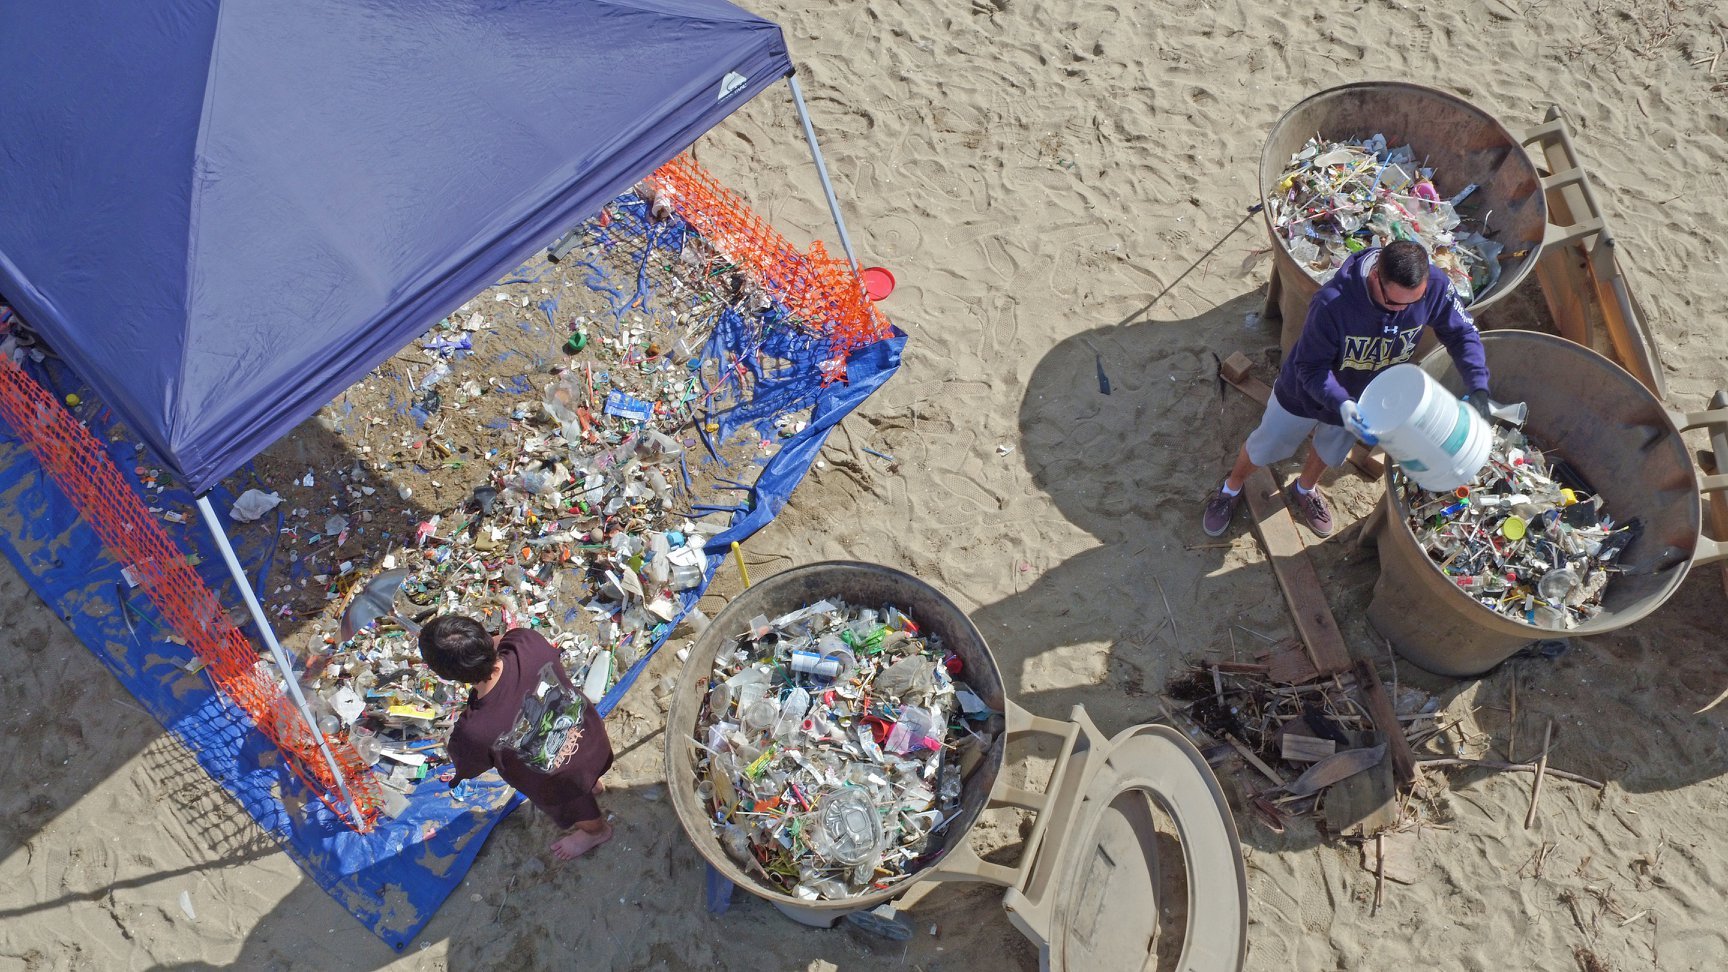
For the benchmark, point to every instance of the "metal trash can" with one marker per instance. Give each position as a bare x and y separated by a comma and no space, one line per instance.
1461,143
1086,884
1620,439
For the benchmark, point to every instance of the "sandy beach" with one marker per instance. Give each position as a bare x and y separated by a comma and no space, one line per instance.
1058,188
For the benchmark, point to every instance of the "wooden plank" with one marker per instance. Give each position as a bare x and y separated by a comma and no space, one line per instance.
1295,747
1288,663
1561,289
1386,721
1574,272
1364,804
1718,503
1256,762
1562,273
1296,576
1368,460
1629,337
1236,370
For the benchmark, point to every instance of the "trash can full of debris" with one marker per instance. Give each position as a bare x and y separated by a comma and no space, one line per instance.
1463,146
1619,439
1087,882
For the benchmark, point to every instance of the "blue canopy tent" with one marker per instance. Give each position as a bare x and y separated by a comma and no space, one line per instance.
221,213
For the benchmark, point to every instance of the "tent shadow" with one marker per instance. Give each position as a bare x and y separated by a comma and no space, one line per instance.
633,903
69,724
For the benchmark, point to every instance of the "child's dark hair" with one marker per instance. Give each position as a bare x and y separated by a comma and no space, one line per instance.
458,648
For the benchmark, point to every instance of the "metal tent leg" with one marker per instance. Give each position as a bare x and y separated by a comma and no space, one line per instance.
822,170
208,512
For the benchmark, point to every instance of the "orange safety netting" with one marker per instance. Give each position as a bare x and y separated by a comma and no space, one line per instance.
83,471
823,291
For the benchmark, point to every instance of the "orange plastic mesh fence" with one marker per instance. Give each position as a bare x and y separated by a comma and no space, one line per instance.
824,292
77,463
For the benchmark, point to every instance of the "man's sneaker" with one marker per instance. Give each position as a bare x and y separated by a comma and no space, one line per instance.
1219,509
1310,508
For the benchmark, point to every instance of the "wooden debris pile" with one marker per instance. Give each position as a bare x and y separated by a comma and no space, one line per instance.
1302,734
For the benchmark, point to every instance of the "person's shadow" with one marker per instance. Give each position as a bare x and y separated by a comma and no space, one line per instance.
1128,428
1132,467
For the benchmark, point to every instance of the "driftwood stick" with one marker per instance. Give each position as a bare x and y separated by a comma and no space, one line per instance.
1256,762
1175,636
1519,767
1379,872
1541,770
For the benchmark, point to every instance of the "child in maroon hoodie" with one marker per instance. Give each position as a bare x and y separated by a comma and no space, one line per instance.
1366,319
503,671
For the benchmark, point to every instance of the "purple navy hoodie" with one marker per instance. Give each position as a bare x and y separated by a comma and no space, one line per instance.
1348,339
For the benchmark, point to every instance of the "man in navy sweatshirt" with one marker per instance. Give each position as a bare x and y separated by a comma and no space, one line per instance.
1366,319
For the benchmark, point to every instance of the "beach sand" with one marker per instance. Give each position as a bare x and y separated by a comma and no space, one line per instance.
1056,187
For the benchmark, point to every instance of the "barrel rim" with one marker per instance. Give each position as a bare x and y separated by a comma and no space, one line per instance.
1270,168
1396,511
679,763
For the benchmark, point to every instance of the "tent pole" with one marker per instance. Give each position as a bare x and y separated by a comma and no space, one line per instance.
821,169
282,663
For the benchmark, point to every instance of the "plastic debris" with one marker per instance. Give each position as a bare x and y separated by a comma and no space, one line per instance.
1527,538
253,504
832,743
1336,198
574,499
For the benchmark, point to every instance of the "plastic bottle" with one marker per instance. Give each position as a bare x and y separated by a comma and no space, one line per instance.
792,709
748,686
657,568
367,748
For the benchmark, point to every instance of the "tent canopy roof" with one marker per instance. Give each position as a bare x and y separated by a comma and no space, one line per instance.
222,213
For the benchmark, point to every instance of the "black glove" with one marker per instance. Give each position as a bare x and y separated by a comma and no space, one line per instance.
1478,400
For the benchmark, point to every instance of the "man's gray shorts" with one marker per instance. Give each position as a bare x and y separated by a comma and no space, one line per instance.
1280,433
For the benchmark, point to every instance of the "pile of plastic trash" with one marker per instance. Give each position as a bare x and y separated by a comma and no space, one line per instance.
1336,198
582,528
833,743
1527,538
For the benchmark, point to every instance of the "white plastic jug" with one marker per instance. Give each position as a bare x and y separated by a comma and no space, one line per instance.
1440,442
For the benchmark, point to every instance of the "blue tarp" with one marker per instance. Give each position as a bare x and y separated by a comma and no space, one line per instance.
394,879
222,213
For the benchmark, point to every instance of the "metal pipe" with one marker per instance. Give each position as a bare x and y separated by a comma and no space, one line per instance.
821,169
208,512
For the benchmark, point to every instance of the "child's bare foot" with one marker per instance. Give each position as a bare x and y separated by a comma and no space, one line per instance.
579,842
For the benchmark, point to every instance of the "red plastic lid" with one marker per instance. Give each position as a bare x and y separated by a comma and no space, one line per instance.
878,282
